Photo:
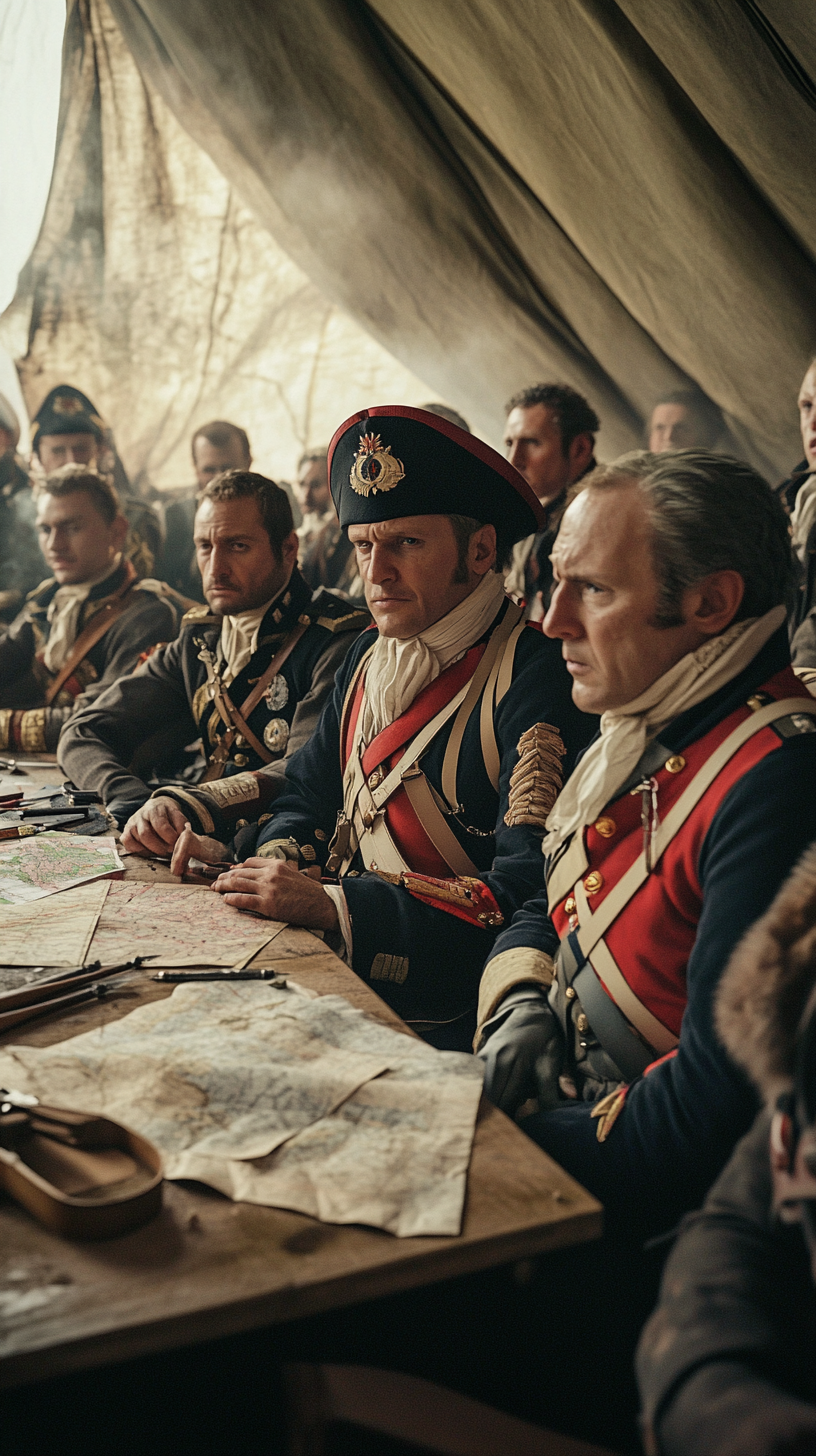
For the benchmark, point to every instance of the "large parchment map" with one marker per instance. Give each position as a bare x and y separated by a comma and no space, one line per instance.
55,931
46,863
279,1097
177,925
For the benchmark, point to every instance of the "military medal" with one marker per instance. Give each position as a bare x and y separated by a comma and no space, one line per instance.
375,468
276,694
276,735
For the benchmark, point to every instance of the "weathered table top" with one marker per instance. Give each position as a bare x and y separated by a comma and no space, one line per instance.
208,1267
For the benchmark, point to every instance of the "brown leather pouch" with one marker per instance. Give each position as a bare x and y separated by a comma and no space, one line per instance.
80,1175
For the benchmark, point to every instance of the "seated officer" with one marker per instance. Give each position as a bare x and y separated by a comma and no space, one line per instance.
674,833
68,430
249,674
427,782
83,627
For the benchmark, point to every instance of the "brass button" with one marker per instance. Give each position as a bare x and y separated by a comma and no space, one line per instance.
376,778
593,882
675,764
569,905
241,759
368,819
242,824
570,993
239,739
581,1021
308,853
605,827
320,834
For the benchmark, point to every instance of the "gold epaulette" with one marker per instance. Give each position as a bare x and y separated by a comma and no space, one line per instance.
49,581
200,617
337,615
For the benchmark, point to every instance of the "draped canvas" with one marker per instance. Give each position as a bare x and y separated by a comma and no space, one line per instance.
154,288
616,195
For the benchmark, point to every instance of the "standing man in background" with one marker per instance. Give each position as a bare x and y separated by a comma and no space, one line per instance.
68,430
550,438
684,419
216,446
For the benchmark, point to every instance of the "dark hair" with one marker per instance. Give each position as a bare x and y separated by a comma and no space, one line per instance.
222,434
445,412
273,502
707,513
463,528
574,414
707,414
72,478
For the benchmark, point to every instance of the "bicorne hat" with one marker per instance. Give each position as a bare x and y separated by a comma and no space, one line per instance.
393,461
66,411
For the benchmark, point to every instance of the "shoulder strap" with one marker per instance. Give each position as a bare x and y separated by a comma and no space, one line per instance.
95,630
234,719
504,639
595,925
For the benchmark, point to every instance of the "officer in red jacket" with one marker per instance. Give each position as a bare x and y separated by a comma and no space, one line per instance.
679,824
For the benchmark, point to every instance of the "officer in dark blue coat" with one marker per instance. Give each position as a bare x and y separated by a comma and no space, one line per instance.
423,793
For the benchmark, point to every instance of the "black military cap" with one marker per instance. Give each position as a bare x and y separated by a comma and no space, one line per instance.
393,461
66,411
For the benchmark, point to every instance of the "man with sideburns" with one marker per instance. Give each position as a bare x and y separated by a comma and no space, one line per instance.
422,795
678,826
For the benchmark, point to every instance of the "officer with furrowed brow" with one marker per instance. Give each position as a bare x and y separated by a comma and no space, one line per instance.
424,790
678,826
248,674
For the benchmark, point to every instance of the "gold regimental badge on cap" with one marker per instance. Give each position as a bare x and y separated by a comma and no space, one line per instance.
68,404
375,468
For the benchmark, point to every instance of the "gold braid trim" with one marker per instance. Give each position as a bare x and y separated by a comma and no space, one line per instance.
535,782
522,966
32,731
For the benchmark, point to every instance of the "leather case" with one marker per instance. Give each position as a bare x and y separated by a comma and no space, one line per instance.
81,1176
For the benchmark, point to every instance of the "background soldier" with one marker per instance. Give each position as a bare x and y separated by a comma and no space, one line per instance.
87,624
249,674
68,430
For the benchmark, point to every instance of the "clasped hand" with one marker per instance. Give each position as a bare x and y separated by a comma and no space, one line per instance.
270,887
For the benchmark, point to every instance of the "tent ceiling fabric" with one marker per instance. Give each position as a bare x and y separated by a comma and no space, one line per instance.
154,288
611,194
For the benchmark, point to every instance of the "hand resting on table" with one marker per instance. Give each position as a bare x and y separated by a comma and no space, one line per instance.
274,888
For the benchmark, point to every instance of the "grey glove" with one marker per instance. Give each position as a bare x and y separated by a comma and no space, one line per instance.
523,1051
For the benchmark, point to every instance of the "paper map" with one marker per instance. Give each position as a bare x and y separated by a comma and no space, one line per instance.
45,863
179,925
52,932
279,1097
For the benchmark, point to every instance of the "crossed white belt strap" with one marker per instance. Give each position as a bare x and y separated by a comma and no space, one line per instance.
593,926
364,805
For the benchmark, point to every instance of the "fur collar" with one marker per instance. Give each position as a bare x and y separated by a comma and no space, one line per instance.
767,983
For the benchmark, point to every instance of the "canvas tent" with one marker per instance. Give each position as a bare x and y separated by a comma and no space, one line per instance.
284,209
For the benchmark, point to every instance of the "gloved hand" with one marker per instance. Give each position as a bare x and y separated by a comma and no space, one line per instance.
523,1051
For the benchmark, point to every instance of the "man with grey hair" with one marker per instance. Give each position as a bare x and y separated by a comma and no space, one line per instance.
682,819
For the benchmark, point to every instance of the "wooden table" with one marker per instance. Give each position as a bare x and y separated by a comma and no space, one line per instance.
207,1267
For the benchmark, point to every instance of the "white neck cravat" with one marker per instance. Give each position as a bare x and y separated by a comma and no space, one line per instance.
64,612
399,668
625,731
239,637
